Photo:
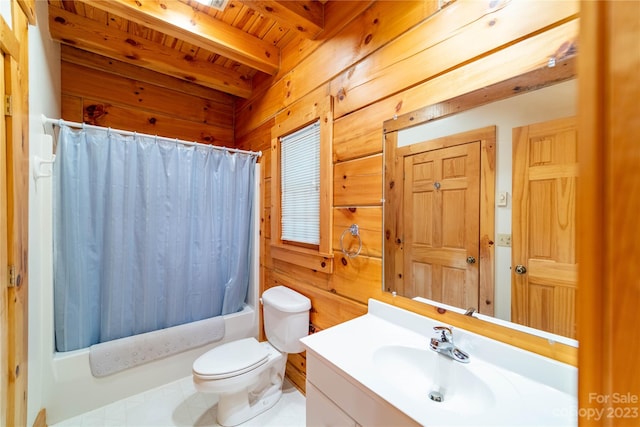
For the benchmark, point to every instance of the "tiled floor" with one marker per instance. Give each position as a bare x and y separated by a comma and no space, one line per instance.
179,404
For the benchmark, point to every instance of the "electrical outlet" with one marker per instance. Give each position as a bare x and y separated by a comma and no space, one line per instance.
504,240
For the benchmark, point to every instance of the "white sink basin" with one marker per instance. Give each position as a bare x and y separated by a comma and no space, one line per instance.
464,388
387,352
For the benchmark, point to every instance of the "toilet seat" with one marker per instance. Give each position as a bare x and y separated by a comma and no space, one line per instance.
231,359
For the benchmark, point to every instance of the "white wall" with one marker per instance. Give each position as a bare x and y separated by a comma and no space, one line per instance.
550,103
5,12
44,98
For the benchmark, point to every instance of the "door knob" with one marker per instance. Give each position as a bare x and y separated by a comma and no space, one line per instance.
471,260
520,269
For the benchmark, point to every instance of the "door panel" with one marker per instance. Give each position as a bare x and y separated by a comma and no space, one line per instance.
441,218
545,176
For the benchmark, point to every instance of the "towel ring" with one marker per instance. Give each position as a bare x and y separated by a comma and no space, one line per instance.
355,232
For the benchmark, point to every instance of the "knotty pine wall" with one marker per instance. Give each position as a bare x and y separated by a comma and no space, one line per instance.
104,92
395,57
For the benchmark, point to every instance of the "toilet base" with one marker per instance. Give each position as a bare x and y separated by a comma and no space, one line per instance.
236,408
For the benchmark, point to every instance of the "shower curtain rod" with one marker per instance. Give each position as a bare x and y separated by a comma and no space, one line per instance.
47,120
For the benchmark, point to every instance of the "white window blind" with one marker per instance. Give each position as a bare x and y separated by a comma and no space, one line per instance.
300,185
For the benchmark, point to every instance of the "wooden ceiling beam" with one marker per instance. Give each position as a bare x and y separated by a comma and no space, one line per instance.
304,16
87,34
94,61
183,22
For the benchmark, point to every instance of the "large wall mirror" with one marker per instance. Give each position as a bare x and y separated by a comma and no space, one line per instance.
479,202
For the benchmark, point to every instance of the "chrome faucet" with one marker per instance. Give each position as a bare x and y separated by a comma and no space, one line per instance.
443,344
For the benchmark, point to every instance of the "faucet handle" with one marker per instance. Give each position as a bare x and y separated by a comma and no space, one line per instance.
445,332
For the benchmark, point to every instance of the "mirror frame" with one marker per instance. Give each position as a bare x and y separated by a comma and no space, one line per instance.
563,350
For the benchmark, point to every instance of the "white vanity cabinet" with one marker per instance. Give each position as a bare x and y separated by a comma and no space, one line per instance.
378,370
335,399
322,412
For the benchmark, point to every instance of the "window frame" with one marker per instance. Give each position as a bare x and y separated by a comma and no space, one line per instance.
288,121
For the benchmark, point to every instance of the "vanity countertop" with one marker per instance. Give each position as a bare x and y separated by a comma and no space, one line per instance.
501,386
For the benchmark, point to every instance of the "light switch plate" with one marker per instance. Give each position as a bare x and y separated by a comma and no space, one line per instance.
502,198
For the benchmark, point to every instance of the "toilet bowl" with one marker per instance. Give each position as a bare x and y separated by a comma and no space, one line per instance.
247,374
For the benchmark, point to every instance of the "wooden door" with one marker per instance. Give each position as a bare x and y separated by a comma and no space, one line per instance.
441,219
4,261
544,267
14,166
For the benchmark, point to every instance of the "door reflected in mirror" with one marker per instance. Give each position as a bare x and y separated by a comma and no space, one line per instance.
445,167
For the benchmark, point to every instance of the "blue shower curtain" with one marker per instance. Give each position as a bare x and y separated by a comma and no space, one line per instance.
148,234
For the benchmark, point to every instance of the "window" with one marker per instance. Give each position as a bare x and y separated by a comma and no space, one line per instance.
301,185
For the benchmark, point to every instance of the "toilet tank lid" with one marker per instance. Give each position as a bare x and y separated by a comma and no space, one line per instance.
285,299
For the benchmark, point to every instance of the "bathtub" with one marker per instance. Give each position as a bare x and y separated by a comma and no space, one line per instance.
75,391
62,383
69,388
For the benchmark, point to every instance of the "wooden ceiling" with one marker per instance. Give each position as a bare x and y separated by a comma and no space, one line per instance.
221,50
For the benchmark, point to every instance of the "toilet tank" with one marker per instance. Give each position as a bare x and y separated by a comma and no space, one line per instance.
286,318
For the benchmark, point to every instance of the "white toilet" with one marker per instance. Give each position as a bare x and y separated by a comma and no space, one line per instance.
247,374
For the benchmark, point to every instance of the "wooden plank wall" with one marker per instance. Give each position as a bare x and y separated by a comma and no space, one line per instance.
395,57
104,92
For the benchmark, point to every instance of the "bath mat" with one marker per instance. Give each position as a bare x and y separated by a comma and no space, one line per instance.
114,356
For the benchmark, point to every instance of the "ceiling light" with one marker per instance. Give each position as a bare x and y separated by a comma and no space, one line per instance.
216,4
